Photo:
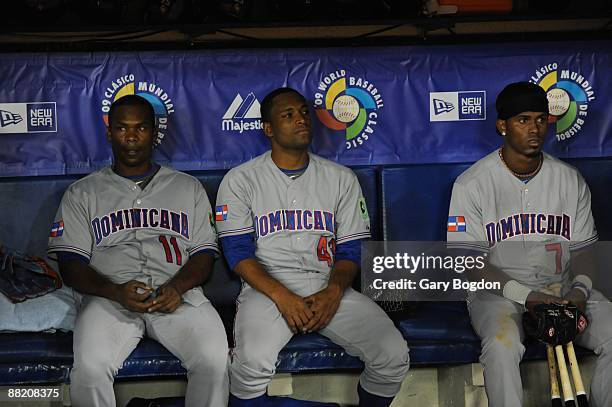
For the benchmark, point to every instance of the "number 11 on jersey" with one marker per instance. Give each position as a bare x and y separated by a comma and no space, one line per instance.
179,257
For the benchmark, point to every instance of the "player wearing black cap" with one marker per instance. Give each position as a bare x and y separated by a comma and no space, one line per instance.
531,214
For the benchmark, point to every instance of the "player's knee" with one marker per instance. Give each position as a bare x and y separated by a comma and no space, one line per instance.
253,363
393,356
93,369
213,361
259,355
399,365
503,348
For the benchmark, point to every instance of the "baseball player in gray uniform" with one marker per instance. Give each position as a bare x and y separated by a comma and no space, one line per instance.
137,240
531,213
290,223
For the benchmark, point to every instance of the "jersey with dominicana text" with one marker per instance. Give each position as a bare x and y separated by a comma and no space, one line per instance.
528,228
297,222
131,234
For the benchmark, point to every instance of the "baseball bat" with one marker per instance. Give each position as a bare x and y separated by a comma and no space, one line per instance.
566,386
555,396
581,396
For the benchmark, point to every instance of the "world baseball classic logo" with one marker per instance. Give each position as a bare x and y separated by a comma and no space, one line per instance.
569,94
350,105
162,103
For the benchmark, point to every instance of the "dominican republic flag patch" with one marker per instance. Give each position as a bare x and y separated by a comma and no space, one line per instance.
456,224
220,213
57,229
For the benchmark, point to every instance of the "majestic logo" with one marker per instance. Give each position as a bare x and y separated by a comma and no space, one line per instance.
156,95
242,114
35,117
456,106
349,104
569,94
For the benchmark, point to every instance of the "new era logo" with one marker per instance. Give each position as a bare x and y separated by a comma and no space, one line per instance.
441,106
456,106
8,118
34,117
247,108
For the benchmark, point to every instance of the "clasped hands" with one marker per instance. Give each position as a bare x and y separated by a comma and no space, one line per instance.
137,296
312,313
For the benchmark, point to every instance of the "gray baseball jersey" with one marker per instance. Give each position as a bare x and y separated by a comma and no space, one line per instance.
131,234
297,222
128,233
529,228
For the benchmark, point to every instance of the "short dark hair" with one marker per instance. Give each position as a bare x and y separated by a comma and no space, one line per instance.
268,102
131,100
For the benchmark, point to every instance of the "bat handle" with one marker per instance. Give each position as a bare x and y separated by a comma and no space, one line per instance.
566,386
581,395
555,396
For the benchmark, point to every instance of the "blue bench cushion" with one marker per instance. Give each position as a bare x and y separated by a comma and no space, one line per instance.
35,346
31,358
312,351
439,322
50,358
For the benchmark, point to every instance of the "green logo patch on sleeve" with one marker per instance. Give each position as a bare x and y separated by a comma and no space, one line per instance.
363,209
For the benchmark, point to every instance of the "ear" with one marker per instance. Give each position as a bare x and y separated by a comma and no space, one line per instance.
267,129
108,133
501,126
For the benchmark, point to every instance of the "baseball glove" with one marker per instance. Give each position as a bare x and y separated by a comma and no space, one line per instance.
23,277
555,324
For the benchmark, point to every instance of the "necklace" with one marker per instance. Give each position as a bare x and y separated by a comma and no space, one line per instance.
516,174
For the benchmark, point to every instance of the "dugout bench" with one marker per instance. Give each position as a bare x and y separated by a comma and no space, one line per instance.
405,203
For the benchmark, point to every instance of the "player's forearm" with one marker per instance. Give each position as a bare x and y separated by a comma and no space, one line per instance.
343,274
86,280
194,273
510,288
254,273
